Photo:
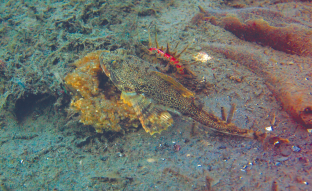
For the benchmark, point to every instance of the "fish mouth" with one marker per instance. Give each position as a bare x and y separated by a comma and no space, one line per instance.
111,76
103,64
105,70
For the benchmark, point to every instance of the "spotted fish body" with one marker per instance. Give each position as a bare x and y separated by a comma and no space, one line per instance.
155,95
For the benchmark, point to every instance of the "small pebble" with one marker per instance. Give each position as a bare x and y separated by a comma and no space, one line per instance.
269,128
282,159
222,147
285,151
295,149
198,48
277,163
177,148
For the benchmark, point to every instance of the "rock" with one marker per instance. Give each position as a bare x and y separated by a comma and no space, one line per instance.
282,159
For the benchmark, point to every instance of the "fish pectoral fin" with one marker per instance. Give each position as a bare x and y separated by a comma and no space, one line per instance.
154,118
176,85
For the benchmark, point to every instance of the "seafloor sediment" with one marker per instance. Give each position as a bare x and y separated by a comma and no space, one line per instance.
43,146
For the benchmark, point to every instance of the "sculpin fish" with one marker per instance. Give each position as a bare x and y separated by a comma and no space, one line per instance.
155,96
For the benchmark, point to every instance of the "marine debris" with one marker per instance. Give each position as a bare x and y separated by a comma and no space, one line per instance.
96,99
263,26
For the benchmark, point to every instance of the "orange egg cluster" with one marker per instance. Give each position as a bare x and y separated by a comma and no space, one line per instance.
98,107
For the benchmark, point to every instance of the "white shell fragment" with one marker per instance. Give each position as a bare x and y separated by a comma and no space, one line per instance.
269,128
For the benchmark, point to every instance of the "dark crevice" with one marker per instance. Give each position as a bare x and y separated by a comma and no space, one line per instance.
31,103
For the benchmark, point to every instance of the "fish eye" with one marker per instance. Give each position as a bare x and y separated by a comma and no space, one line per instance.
308,110
127,89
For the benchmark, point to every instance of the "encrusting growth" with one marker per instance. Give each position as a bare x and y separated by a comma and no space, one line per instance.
96,99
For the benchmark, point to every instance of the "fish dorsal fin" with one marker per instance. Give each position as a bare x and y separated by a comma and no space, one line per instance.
176,85
153,117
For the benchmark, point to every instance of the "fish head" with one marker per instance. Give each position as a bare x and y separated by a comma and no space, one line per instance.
115,66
